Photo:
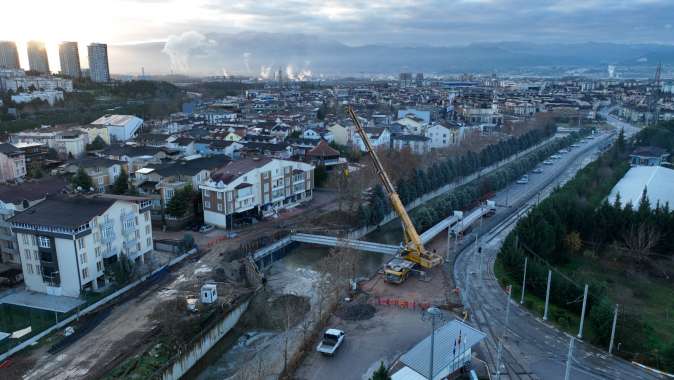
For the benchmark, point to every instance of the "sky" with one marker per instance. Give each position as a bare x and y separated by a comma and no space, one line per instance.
353,22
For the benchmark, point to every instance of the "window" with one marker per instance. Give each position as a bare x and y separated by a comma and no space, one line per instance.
83,258
44,242
30,268
25,239
80,243
219,206
97,237
99,266
147,215
35,256
149,242
97,251
85,272
207,203
229,196
219,195
207,193
147,230
38,269
93,222
138,247
137,234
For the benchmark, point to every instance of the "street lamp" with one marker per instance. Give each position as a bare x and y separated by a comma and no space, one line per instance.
432,314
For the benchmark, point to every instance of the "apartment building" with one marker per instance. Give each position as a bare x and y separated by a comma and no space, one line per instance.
37,57
69,56
12,163
255,187
99,70
66,243
102,171
9,55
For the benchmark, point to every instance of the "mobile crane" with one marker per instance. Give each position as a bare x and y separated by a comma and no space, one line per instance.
412,251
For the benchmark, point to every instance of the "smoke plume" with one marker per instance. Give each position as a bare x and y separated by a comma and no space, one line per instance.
180,47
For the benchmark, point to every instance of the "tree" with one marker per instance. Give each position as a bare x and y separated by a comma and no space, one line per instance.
97,144
181,202
122,270
82,180
381,373
121,184
320,175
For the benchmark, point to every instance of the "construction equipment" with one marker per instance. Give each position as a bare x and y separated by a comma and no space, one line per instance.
412,250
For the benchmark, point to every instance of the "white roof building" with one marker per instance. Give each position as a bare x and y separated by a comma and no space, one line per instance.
120,127
657,180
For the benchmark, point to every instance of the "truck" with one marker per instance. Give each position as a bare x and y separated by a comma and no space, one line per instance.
332,339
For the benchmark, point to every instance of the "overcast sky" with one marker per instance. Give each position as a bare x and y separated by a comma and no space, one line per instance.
355,22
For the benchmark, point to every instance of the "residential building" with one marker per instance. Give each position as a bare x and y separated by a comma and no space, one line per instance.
255,187
69,55
415,143
102,171
35,153
37,57
9,55
49,96
70,144
324,154
99,71
342,135
12,163
18,81
15,198
66,243
378,136
94,131
442,137
120,127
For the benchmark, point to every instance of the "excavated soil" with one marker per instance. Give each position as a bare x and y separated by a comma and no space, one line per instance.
356,312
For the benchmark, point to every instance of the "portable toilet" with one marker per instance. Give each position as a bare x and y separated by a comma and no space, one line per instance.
209,293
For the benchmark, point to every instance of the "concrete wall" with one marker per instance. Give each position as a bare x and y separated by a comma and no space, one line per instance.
188,359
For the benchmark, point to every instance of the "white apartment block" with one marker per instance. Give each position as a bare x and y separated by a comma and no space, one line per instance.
255,186
99,71
66,243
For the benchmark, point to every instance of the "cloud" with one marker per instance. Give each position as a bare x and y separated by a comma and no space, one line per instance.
179,48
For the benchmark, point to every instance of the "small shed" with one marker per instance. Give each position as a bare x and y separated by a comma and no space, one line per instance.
209,293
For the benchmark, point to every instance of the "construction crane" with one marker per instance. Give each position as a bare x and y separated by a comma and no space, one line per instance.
413,251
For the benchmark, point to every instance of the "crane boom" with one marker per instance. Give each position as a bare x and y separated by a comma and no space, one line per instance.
414,247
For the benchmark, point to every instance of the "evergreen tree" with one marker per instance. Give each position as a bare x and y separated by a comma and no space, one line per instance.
82,179
381,373
121,184
181,202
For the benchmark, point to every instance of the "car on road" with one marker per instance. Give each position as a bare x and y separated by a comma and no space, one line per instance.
555,157
563,151
548,162
332,339
537,170
523,180
575,145
206,228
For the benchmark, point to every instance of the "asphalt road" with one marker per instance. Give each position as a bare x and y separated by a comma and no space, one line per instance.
532,349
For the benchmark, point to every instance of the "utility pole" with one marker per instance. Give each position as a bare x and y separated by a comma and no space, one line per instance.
547,296
569,357
433,314
615,319
582,314
524,279
505,331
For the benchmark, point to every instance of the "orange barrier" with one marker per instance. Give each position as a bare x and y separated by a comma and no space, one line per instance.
403,304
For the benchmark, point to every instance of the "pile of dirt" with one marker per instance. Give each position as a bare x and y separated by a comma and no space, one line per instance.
272,312
356,312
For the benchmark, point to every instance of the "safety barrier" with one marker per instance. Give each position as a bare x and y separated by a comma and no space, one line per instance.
402,303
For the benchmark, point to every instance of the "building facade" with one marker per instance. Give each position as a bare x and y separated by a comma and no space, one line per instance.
120,127
69,55
37,57
12,163
9,55
99,70
67,243
255,186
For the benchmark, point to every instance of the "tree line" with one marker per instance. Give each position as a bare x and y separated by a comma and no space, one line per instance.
577,221
423,181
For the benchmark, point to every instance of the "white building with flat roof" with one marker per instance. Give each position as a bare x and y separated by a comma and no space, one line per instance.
120,127
657,180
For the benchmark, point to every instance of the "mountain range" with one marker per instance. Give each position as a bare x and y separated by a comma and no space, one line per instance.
261,54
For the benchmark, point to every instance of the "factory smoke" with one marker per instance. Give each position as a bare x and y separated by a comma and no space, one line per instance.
179,48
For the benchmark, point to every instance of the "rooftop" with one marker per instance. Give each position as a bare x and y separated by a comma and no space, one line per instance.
31,190
116,120
657,180
234,169
63,211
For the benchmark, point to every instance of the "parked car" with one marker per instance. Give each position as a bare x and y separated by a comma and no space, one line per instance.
548,162
537,170
523,180
206,228
332,339
555,156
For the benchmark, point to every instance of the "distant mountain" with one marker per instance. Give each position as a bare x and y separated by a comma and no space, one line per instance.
263,53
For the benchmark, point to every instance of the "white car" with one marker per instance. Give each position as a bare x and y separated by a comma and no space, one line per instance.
332,339
548,162
523,180
206,228
555,157
537,171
